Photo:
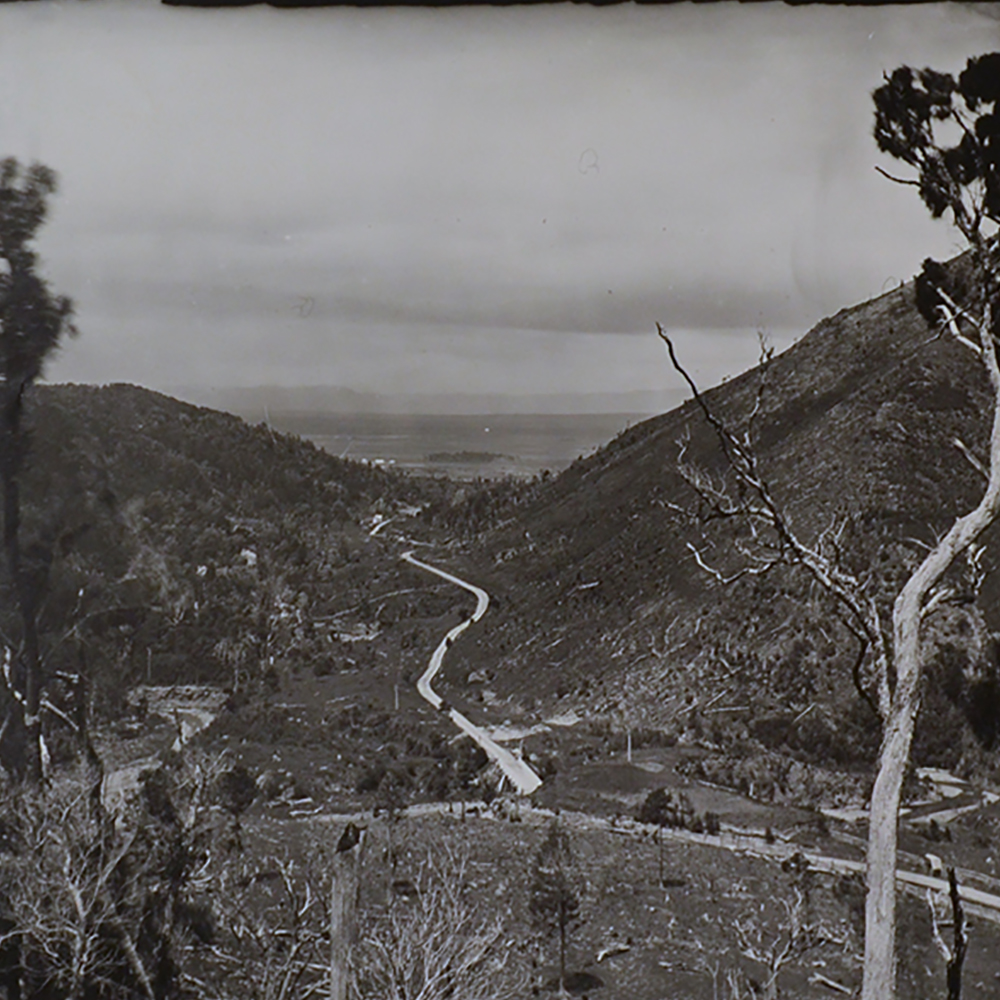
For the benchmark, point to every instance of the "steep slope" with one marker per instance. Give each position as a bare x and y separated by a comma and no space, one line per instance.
606,606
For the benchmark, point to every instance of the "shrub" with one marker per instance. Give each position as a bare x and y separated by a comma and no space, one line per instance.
667,808
371,778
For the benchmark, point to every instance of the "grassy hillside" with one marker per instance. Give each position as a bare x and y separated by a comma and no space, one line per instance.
606,608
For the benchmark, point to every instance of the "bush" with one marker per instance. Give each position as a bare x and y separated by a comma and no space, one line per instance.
667,808
772,777
371,778
852,738
323,667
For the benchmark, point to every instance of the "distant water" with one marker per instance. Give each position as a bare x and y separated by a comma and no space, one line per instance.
462,447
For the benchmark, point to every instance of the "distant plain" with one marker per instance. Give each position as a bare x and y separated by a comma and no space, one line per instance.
461,446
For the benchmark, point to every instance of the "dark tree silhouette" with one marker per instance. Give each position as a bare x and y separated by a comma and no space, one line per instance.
963,179
32,320
557,888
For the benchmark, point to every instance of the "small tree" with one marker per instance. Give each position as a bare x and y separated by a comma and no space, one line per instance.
237,790
664,808
32,320
557,889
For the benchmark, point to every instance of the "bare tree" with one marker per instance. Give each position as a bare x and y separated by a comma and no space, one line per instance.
272,919
437,942
962,303
63,889
776,949
97,904
777,934
954,954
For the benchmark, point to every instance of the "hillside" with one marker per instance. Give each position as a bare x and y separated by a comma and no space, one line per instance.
181,544
606,609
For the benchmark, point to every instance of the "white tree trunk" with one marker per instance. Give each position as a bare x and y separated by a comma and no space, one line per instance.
911,605
880,904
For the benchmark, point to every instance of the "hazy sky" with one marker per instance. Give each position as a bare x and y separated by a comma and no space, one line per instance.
463,199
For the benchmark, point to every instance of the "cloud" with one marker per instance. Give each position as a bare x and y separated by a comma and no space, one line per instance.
422,176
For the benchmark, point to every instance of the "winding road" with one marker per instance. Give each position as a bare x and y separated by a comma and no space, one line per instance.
526,781
517,772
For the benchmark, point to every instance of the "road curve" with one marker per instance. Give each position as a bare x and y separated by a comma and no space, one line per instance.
517,772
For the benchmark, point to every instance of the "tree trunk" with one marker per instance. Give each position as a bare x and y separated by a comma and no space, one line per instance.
911,606
880,905
28,710
562,949
343,917
659,850
961,942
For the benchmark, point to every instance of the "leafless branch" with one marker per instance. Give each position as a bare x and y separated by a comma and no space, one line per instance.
951,312
439,944
959,939
59,713
758,570
756,505
859,662
939,596
794,937
897,180
971,458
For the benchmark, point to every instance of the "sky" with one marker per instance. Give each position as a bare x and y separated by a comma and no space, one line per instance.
501,200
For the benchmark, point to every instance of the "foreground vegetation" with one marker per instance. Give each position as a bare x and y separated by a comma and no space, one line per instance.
191,892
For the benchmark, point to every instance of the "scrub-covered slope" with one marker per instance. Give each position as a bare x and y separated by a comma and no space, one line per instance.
606,607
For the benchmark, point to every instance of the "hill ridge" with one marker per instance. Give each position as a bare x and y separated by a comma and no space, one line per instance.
855,430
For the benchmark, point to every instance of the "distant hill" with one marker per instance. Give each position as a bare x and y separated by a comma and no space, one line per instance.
604,604
255,403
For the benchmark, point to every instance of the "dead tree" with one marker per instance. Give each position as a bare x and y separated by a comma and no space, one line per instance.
793,939
343,907
441,941
964,181
954,955
271,924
